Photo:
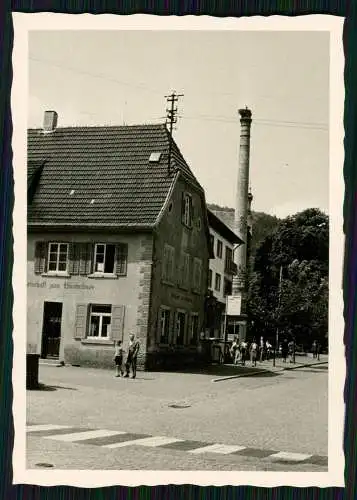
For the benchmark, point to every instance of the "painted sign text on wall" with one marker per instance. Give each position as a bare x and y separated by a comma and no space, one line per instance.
65,285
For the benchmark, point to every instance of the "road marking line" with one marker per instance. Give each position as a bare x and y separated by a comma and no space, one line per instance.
151,442
48,427
223,449
292,457
82,436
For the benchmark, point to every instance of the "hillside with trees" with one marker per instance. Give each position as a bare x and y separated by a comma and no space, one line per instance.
288,288
263,224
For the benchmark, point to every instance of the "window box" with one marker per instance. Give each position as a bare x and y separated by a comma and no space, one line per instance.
102,276
97,341
55,274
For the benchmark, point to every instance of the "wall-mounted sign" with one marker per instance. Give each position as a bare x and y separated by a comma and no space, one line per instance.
178,297
234,304
65,285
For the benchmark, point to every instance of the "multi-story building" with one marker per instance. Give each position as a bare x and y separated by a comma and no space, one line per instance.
118,243
221,270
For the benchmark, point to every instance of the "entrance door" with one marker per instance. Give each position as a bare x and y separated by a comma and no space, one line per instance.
51,331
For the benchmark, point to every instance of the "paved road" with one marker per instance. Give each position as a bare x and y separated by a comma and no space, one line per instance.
285,411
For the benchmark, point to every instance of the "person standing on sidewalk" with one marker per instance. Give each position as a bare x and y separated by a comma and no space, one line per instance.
318,350
131,360
261,349
118,358
243,351
291,348
235,350
314,349
254,352
284,350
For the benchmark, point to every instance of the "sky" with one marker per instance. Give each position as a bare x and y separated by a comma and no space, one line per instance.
122,77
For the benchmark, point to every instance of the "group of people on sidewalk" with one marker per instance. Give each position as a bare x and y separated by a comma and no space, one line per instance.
131,357
242,351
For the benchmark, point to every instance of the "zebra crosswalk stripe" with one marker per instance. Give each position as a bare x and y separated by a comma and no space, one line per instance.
291,457
222,449
82,436
151,442
45,427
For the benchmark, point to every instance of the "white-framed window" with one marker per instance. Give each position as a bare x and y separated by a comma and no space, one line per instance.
194,329
57,257
100,321
210,278
228,260
212,242
197,274
217,282
219,249
168,264
104,258
187,210
180,327
165,315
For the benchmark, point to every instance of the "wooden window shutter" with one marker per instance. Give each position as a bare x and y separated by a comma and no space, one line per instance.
117,323
85,258
80,329
121,259
165,263
172,264
181,271
40,257
187,270
74,257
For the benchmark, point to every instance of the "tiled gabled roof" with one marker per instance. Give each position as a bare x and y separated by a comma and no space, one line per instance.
102,176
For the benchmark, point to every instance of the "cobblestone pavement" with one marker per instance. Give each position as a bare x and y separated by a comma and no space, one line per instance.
285,411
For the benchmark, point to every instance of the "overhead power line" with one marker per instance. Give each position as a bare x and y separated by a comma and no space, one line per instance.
96,75
263,122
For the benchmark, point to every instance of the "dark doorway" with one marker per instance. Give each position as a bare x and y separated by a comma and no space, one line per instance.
51,331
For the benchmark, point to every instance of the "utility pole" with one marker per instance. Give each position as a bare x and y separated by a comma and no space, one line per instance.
278,309
171,118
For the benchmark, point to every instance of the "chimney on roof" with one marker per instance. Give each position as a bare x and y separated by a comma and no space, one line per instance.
50,121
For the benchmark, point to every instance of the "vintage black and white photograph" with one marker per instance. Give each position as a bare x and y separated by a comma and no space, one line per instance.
178,229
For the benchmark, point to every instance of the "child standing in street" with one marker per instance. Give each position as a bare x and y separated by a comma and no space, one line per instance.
118,358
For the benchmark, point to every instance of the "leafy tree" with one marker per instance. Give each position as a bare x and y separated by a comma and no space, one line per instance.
298,304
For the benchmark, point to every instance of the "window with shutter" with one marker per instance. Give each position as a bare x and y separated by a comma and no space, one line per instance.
74,257
184,277
171,266
197,275
40,257
85,258
168,264
121,259
117,326
80,329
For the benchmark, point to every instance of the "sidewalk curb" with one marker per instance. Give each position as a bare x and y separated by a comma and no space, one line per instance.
255,372
304,365
275,369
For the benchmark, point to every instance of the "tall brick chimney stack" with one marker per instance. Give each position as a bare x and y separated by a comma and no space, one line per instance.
241,216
